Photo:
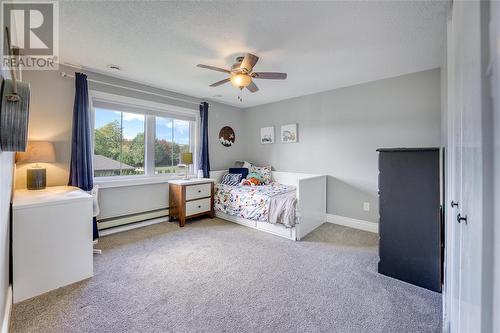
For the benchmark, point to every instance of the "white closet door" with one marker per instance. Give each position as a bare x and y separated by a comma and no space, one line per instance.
454,160
466,111
472,172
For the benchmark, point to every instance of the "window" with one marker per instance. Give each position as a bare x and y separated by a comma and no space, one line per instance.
123,133
118,143
172,138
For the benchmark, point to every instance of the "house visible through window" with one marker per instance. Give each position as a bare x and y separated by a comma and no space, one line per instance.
121,139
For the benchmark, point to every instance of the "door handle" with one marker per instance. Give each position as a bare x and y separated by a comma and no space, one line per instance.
461,218
454,204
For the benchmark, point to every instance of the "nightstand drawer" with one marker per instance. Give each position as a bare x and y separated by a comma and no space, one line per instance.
198,191
198,206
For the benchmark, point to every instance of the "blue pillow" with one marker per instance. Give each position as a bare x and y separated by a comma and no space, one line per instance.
242,171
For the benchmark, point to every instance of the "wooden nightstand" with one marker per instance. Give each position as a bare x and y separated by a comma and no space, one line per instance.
191,198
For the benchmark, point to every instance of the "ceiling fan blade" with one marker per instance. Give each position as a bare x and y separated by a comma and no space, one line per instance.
252,87
248,62
269,75
218,83
214,68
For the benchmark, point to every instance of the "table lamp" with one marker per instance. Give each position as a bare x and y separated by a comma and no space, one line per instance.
187,159
37,152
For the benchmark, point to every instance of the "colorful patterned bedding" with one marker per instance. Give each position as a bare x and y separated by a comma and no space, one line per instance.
250,202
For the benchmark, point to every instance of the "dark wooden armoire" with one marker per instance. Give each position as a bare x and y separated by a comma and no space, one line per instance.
410,245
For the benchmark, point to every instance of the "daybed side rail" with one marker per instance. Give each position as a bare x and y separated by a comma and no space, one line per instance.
291,178
311,195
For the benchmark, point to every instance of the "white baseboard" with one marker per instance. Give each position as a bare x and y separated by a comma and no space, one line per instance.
131,226
8,308
133,218
352,223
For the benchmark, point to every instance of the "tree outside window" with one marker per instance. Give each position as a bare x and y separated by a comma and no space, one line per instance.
119,143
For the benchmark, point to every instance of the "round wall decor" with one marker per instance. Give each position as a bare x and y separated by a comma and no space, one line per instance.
227,136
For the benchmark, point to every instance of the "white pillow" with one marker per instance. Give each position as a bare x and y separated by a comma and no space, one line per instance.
247,165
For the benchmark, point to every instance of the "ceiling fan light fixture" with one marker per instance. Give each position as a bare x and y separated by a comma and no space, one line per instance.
241,74
240,80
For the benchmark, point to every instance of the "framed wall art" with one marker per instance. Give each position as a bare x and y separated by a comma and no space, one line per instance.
289,133
227,136
267,135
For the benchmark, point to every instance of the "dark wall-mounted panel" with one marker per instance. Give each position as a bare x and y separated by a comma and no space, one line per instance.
14,116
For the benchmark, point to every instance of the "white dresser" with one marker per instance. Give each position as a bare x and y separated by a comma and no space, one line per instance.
51,239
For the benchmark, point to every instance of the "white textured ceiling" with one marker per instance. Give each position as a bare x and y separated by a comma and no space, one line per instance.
321,45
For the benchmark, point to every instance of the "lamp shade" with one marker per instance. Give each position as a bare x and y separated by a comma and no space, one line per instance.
37,152
186,158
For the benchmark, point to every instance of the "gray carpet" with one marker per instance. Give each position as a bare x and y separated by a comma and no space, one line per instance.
216,276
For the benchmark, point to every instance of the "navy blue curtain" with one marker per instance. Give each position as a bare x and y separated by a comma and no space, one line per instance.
204,160
80,172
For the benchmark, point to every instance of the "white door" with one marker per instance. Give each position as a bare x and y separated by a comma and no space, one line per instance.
464,260
453,230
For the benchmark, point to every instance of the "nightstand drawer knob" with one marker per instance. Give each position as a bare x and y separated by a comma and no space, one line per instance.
199,206
199,191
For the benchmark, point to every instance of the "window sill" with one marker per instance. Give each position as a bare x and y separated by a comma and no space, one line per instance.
110,182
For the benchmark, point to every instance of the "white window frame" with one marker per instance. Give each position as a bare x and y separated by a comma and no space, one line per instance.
158,109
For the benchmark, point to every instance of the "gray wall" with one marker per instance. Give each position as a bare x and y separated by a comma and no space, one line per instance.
51,119
444,95
340,130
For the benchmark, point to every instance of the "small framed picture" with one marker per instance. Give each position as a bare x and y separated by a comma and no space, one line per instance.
289,133
267,135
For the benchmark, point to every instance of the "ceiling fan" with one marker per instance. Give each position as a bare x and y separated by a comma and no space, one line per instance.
241,74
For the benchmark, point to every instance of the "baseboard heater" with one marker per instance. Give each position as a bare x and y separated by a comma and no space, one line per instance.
131,218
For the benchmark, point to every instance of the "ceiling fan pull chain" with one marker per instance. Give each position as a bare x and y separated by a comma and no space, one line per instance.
239,96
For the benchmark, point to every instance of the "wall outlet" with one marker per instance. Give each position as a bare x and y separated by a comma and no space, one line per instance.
366,206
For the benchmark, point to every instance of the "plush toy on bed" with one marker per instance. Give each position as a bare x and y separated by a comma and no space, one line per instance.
253,179
255,175
250,182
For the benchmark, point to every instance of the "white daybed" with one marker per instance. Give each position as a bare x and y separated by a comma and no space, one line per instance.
311,204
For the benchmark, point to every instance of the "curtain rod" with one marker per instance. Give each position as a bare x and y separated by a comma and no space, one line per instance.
63,74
